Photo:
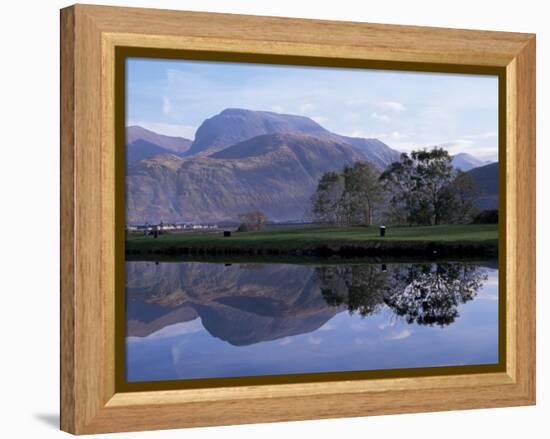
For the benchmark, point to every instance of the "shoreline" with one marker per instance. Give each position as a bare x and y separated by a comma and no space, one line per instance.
375,249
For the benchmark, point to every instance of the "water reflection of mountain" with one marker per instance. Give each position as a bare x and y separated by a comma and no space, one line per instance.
241,304
246,304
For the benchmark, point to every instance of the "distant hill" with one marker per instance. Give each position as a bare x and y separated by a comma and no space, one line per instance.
276,173
171,143
235,125
142,144
465,161
486,178
141,149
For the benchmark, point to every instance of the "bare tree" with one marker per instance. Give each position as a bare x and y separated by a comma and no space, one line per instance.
252,221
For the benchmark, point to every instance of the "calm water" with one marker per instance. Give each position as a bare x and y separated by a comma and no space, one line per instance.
203,320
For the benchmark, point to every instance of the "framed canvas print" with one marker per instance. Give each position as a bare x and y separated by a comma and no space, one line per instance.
268,219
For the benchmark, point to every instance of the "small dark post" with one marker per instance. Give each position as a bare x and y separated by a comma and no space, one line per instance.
226,233
384,268
156,233
382,230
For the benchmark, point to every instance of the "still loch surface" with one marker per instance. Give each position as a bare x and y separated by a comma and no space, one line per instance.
188,320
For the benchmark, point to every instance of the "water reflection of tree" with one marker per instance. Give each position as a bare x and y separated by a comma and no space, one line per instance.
426,294
433,293
360,287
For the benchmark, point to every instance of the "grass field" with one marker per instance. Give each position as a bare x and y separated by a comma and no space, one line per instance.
298,238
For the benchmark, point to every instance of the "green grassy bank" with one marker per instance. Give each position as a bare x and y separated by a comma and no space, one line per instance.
474,239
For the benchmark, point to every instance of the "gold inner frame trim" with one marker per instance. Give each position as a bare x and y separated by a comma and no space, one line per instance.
115,54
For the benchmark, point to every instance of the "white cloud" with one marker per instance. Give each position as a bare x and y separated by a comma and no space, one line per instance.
380,116
400,335
486,135
386,325
166,105
312,339
176,354
328,326
391,106
277,109
306,107
394,135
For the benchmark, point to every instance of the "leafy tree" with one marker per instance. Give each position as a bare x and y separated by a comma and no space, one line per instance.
434,173
400,180
363,190
348,197
326,200
252,221
464,192
419,186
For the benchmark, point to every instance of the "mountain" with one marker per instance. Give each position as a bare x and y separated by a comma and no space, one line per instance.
235,125
177,145
142,144
142,149
240,160
486,178
465,161
275,173
375,151
240,304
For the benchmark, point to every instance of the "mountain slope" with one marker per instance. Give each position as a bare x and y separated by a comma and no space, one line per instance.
275,173
465,161
486,178
235,125
141,149
171,143
375,151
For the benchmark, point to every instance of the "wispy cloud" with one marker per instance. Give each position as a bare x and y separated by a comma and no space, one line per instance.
391,106
314,340
328,326
166,105
306,107
400,335
378,116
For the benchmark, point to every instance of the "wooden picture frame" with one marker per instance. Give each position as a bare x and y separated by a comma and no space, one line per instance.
90,38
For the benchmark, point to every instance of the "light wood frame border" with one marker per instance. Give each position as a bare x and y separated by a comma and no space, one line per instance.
89,36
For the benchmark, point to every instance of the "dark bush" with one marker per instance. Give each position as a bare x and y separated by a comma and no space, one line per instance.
486,217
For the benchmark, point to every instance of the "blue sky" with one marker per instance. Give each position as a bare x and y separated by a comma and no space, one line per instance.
405,110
